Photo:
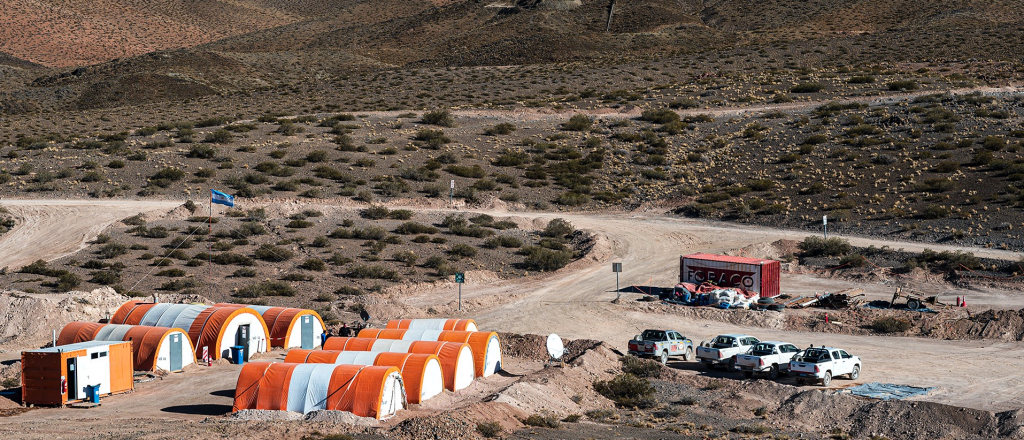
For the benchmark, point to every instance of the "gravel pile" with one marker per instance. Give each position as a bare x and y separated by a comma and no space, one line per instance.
534,347
264,415
440,427
340,417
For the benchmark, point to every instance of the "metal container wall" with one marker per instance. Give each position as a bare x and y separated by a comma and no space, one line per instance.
761,276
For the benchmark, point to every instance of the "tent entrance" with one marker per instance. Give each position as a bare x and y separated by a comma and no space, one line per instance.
242,339
72,378
307,332
175,352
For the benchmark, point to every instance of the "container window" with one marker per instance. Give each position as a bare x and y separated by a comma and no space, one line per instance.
103,354
95,356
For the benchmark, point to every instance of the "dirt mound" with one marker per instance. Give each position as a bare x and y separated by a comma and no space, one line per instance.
29,319
1003,325
262,415
565,390
534,347
820,409
340,417
912,420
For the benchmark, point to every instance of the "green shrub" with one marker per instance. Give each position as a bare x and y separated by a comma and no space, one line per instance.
269,252
489,429
228,258
572,198
641,367
504,241
314,264
627,390
442,118
179,284
500,129
112,250
817,246
375,212
266,288
890,325
462,250
896,86
660,116
807,88
863,79
475,171
542,421
578,122
220,136
544,259
373,272
201,152
407,257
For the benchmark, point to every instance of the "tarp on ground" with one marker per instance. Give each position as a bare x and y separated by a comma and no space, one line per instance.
887,391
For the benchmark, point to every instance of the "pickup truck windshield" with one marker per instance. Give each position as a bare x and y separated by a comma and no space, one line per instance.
816,355
723,342
762,350
653,335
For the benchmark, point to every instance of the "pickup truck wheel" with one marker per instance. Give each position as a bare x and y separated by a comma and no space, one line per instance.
773,373
827,380
799,381
688,355
748,374
707,365
732,364
664,358
855,373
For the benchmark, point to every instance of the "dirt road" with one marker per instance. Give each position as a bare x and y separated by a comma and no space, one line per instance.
575,303
50,229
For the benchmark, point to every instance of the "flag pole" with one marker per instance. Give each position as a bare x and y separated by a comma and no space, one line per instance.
209,244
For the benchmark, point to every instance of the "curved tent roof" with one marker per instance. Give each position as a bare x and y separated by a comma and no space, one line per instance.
150,346
433,324
421,373
486,345
207,326
456,359
285,324
366,391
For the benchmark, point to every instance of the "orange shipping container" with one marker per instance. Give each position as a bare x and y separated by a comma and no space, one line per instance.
59,375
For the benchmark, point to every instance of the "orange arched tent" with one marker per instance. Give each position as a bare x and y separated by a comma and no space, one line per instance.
152,347
421,373
433,324
486,345
366,391
456,359
289,327
215,328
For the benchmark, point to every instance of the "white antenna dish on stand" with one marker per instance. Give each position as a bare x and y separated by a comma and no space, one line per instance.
555,347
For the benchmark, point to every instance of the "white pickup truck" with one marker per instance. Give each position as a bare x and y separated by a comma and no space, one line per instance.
768,357
723,350
821,364
660,344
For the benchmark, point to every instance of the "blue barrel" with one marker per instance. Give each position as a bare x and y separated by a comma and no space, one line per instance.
92,393
238,354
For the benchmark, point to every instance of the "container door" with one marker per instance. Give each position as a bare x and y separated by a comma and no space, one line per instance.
175,352
72,379
242,338
307,332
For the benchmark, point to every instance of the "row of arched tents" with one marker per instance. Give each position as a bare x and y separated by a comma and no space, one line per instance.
375,373
172,336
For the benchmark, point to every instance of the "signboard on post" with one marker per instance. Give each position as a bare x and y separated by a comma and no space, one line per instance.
460,278
617,268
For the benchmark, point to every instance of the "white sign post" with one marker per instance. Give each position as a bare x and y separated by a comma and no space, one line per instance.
451,196
824,224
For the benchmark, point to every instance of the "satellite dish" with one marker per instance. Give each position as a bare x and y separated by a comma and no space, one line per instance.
555,347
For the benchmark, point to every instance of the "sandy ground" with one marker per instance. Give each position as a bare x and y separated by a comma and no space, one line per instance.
574,302
50,229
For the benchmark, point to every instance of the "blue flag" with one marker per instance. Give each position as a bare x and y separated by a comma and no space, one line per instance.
223,199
